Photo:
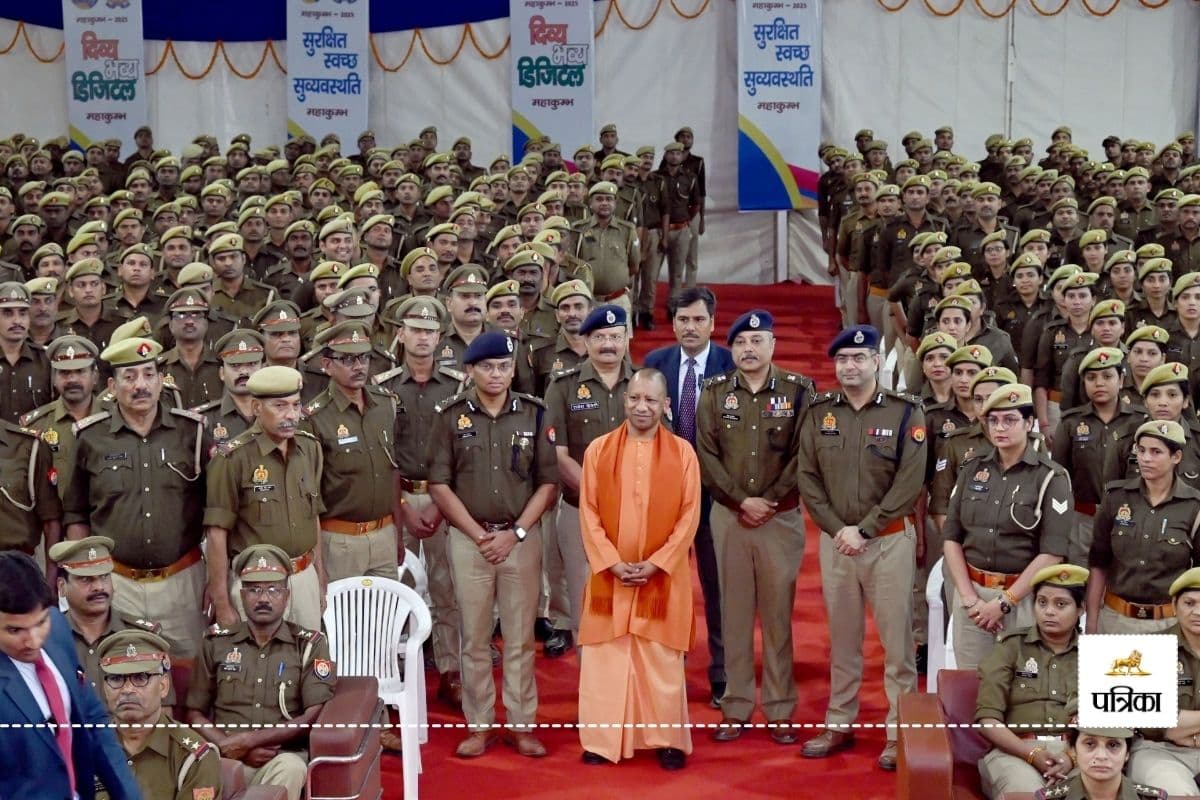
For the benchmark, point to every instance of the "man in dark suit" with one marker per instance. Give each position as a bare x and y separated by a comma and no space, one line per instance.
42,681
693,314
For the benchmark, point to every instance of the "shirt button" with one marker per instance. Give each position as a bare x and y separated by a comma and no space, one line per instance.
147,515
91,652
261,656
1054,666
259,705
145,488
146,466
1053,691
259,680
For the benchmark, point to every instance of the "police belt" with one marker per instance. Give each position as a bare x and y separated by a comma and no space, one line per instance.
678,226
879,291
614,295
492,527
1138,610
895,526
302,562
1055,395
414,487
991,580
355,528
158,573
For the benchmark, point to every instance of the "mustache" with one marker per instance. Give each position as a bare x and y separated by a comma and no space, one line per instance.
262,607
97,596
141,394
287,426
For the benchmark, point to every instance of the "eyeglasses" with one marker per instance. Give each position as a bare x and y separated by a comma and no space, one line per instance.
613,338
138,679
857,359
273,592
494,368
1005,422
352,359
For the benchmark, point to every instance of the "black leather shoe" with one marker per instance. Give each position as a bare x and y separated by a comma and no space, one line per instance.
648,321
922,659
718,691
558,644
542,629
593,759
671,758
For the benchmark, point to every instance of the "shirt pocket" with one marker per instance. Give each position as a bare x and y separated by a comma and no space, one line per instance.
779,438
259,506
114,477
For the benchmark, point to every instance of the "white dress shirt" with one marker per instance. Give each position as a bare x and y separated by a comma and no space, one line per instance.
28,673
701,364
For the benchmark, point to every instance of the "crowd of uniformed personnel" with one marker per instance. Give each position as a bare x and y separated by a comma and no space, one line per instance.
1044,305
211,353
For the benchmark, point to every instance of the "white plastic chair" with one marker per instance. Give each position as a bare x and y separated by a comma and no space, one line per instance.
377,626
414,564
888,372
940,653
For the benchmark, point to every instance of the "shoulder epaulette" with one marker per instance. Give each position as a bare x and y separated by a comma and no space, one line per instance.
908,398
579,225
387,375
143,624
233,444
89,421
803,380
449,402
305,633
963,431
187,413
537,401
715,379
451,372
209,406
36,414
562,373
1149,791
823,397
306,435
315,405
1053,792
216,630
21,429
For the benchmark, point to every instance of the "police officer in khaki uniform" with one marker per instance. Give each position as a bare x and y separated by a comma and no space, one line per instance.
138,479
24,368
419,384
747,422
572,302
234,292
1009,516
84,580
260,684
610,245
241,355
1145,535
30,509
868,546
1029,681
73,362
583,403
493,474
264,487
191,367
354,421
1174,762
169,760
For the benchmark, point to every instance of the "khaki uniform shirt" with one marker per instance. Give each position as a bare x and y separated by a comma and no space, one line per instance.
1144,548
581,409
1183,252
1139,314
416,414
1132,221
1003,519
493,464
89,652
145,493
613,252
177,763
24,385
746,440
245,304
222,420
262,499
54,422
953,450
97,334
1055,345
1122,460
358,447
1082,443
1023,682
882,445
195,387
1073,789
28,488
244,684
550,356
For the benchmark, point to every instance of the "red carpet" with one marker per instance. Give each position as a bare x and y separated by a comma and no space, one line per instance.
752,767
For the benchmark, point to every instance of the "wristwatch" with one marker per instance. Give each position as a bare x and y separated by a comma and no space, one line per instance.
1005,606
520,532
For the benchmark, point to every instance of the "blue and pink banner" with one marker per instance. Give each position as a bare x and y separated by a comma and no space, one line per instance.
554,73
779,104
106,71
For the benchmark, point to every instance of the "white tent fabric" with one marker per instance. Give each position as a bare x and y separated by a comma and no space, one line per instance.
1133,73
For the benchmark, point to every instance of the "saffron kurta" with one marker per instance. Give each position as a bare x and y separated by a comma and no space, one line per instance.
632,669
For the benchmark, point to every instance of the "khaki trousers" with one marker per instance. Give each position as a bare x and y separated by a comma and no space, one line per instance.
304,605
1165,765
176,603
553,603
920,618
355,555
1112,622
576,569
625,301
882,575
512,586
972,643
443,606
850,282
288,770
757,569
679,274
647,281
881,318
1001,772
693,251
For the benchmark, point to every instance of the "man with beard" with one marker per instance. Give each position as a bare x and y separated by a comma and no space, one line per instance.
528,268
354,422
584,403
177,251
465,289
25,376
43,310
74,374
420,385
1184,247
214,200
235,293
504,312
137,479
88,316
571,302
377,234
410,215
84,580
54,207
442,239
1137,213
289,275
190,367
610,246
462,156
241,355
27,231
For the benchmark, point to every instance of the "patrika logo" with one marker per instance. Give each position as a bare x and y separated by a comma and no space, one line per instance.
1129,665
1128,681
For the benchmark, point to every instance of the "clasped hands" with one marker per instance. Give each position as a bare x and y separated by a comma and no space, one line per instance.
636,574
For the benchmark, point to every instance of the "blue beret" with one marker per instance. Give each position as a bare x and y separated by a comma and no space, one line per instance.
755,319
856,336
492,344
609,316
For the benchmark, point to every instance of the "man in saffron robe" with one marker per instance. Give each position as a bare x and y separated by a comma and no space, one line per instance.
637,612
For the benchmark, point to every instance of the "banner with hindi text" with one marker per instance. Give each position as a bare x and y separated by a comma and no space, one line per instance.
328,59
105,58
779,104
554,73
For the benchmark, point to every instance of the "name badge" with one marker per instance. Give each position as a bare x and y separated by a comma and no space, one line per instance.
731,417
347,440
464,435
592,406
266,487
116,456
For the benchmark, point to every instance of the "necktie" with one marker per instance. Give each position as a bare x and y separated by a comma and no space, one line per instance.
687,403
58,710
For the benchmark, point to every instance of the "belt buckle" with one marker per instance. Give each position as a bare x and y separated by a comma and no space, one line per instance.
1142,612
361,527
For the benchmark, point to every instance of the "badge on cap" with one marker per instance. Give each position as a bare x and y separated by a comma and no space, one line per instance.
1163,429
1176,367
1013,397
131,651
858,336
755,322
144,349
283,313
610,318
354,335
70,352
974,352
509,342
